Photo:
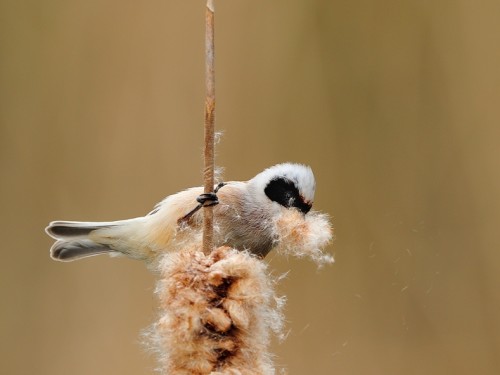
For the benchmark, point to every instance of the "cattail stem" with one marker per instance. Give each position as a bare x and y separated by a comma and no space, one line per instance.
209,158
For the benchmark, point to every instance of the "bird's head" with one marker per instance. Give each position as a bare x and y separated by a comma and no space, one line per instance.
289,185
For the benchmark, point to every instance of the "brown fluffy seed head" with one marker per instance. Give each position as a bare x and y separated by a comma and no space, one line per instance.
216,313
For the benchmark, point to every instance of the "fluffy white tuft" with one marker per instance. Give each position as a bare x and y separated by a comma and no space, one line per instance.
304,235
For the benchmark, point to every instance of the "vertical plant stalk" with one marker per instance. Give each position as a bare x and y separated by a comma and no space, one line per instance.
209,158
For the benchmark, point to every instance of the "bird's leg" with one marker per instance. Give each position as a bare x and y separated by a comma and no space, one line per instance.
204,200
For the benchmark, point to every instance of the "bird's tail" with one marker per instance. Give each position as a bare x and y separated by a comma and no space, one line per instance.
77,239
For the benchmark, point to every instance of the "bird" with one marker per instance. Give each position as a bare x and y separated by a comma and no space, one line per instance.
244,216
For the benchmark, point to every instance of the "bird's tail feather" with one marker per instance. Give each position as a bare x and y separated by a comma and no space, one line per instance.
76,249
75,240
81,239
75,229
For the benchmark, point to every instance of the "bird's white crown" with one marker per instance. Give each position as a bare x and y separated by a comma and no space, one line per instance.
301,176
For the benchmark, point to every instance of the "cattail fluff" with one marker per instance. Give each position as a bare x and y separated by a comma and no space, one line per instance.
304,236
217,312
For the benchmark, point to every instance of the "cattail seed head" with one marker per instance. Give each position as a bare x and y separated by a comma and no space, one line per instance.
216,314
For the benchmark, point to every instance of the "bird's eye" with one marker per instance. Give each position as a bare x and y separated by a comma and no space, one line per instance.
285,192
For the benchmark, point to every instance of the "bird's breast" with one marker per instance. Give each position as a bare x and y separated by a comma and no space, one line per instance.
243,225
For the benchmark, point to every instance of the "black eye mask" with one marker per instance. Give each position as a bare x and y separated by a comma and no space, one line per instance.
285,192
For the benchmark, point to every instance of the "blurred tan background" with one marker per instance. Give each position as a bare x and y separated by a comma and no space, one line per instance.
395,104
